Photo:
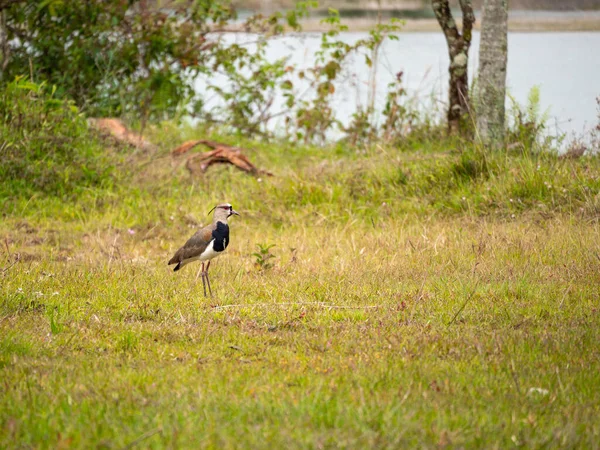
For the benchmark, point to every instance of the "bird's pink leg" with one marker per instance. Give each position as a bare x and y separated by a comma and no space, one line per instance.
201,272
207,280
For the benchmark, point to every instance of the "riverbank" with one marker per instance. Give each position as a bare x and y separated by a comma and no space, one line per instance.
517,23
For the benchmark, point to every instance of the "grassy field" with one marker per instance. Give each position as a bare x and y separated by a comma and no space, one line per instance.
428,296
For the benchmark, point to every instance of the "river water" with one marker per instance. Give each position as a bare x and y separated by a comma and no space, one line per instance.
565,66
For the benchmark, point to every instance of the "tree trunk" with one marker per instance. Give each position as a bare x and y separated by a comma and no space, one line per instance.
4,48
458,50
491,83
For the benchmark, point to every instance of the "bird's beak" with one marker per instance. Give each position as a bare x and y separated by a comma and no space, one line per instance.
233,211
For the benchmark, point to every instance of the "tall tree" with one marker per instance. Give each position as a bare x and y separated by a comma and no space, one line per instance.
458,50
491,83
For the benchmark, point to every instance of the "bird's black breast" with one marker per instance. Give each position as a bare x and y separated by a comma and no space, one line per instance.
221,237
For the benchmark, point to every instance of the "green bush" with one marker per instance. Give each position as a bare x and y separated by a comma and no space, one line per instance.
110,56
45,144
140,59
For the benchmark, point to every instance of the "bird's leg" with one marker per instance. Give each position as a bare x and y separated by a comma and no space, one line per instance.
201,272
207,280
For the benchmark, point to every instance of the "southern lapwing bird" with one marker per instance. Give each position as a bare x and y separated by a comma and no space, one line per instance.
206,244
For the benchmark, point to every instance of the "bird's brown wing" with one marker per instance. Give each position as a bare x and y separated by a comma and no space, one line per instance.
194,246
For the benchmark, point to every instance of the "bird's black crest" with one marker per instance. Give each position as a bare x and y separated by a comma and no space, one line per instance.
221,237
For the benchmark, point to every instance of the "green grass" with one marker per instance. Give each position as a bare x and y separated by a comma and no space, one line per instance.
416,299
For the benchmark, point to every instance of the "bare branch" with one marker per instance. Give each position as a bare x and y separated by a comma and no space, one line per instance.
221,154
16,260
317,304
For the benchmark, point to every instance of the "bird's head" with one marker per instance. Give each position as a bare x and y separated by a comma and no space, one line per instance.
223,211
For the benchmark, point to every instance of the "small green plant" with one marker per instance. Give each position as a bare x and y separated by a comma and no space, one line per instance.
264,256
361,130
400,114
128,341
53,316
528,125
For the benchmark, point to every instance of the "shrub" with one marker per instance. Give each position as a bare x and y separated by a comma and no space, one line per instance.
528,125
45,144
145,60
136,58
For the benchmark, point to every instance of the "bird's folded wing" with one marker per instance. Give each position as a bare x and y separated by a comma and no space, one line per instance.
194,246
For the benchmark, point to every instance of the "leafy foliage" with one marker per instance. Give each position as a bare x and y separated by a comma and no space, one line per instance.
141,60
144,60
116,57
314,117
528,125
264,256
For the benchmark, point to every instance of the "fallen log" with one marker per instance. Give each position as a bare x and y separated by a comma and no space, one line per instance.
221,154
118,131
